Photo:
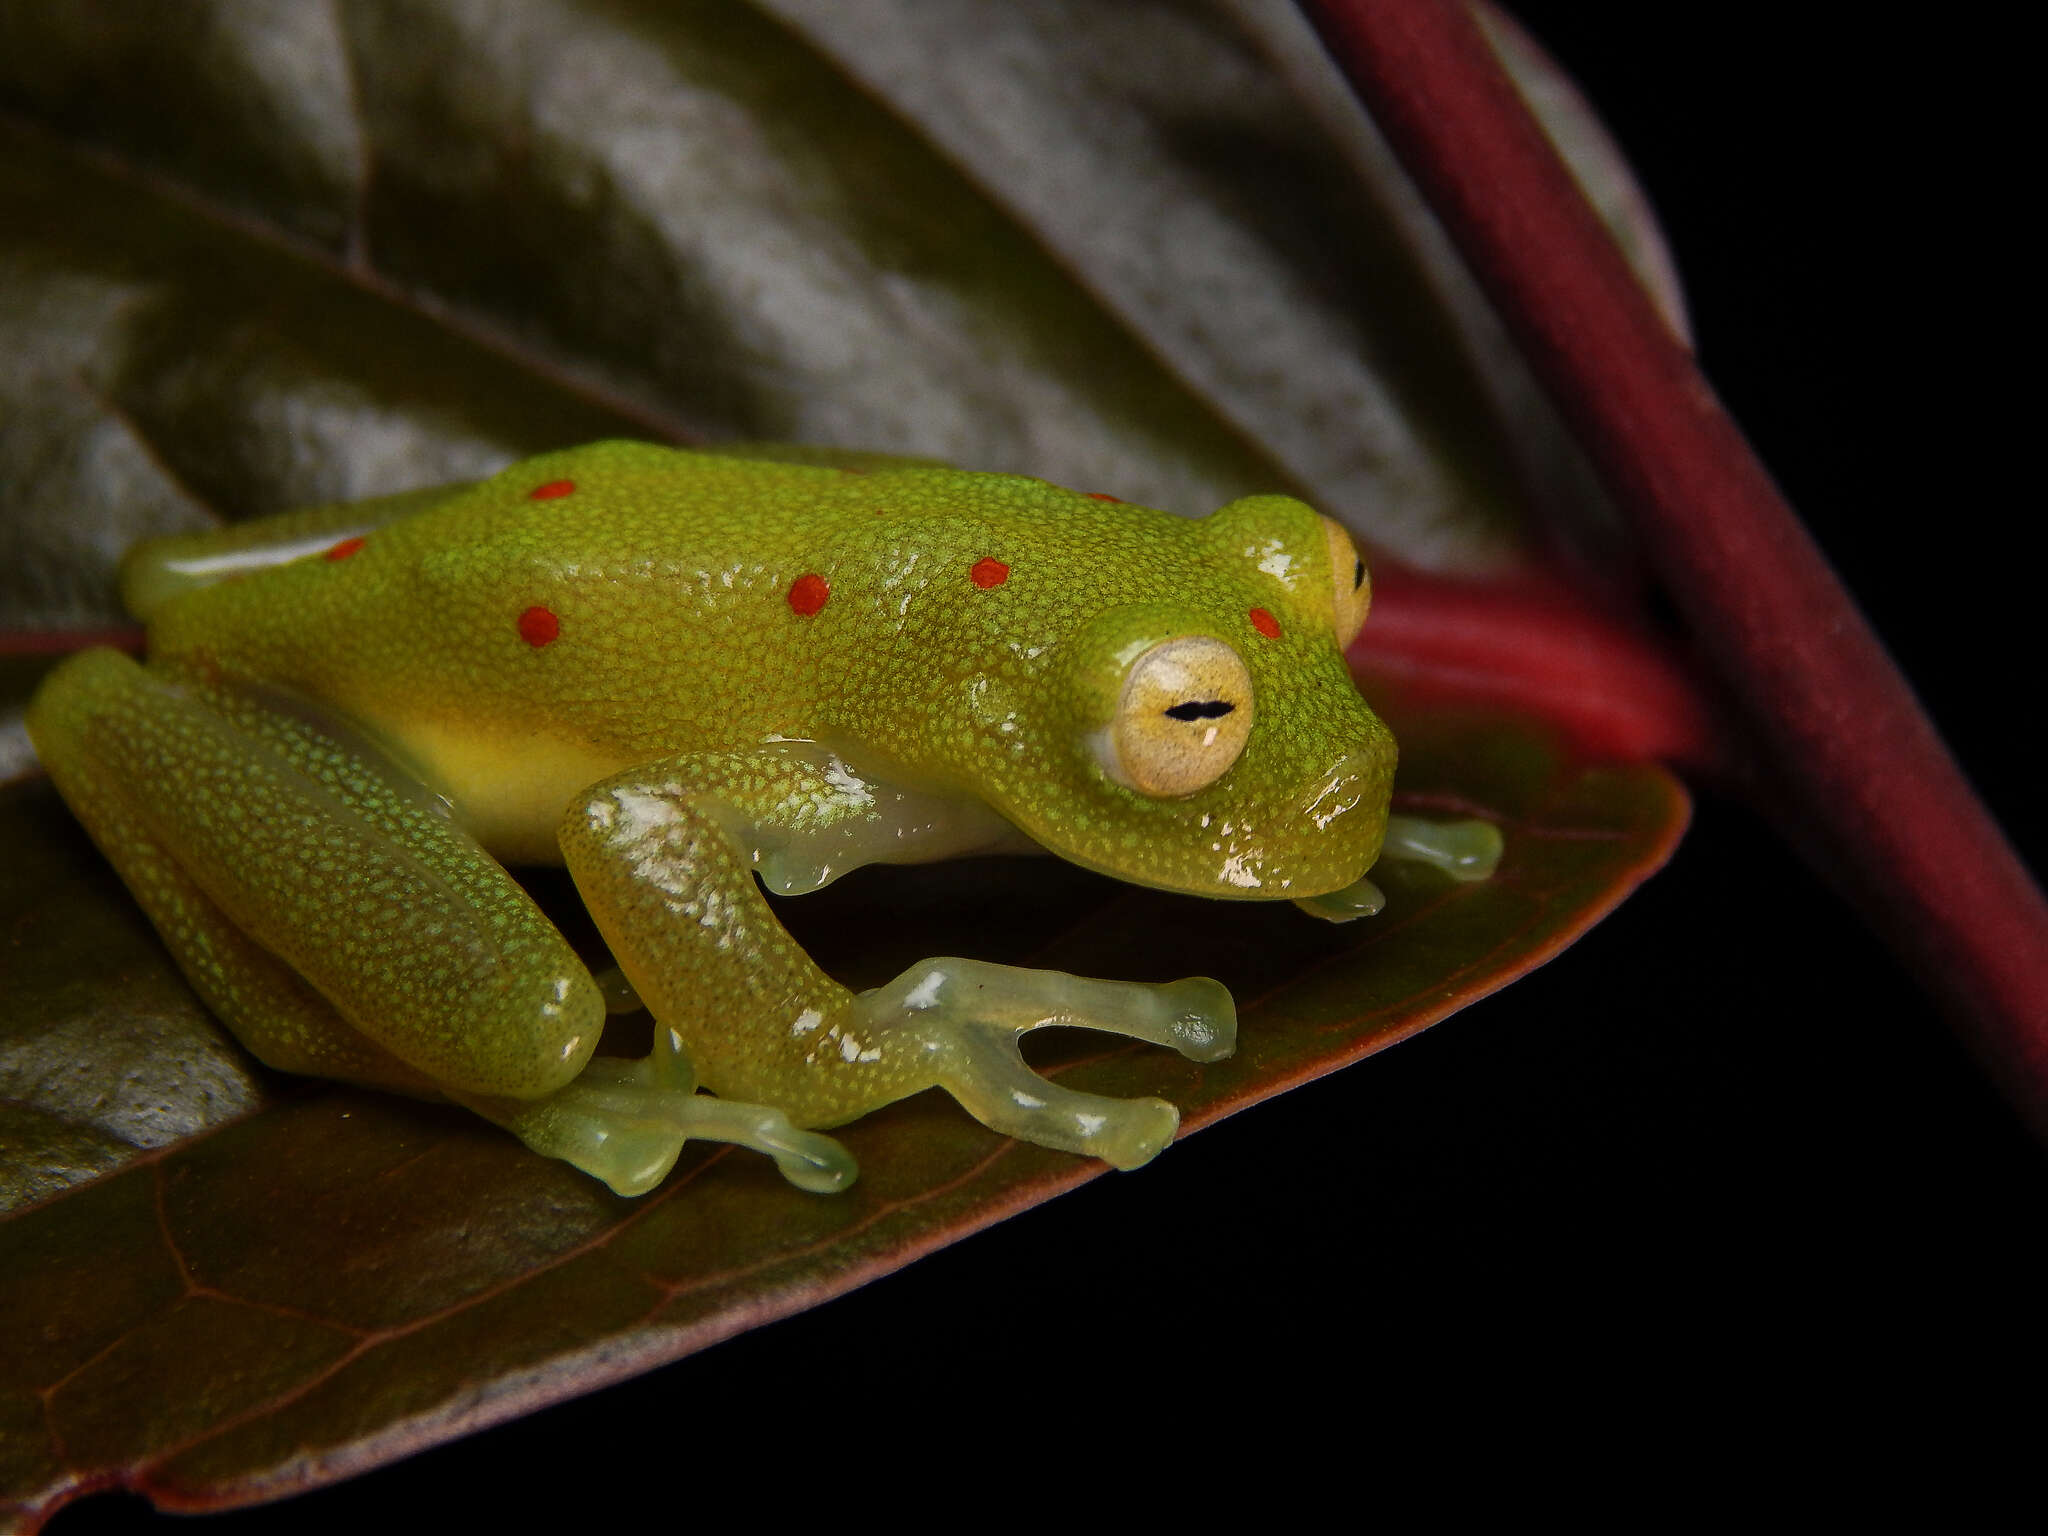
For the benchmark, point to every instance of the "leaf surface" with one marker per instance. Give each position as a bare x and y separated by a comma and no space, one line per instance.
336,1278
289,254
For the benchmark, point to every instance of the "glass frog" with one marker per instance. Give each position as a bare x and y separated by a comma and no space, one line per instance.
680,672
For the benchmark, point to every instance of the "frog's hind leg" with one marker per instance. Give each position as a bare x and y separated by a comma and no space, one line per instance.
341,868
343,926
270,1009
665,860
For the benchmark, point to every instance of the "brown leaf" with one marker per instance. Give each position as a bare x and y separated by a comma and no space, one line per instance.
339,1278
365,246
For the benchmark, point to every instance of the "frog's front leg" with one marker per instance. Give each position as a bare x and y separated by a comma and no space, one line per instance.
665,859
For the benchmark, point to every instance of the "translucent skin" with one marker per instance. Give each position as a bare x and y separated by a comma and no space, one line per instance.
673,671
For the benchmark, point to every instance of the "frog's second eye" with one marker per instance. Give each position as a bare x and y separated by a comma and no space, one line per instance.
1352,588
1182,719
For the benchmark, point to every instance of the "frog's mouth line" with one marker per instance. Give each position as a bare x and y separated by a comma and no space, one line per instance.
1206,854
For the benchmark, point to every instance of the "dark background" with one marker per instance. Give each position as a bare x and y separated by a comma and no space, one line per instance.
1716,1180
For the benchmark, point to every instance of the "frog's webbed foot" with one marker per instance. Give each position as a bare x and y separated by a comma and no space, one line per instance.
1465,850
966,1018
625,1121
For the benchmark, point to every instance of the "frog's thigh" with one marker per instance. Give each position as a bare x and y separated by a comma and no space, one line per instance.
672,888
415,936
281,1020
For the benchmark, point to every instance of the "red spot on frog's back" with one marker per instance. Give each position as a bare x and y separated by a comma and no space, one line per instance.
1103,496
551,490
807,594
988,572
1265,623
538,627
344,549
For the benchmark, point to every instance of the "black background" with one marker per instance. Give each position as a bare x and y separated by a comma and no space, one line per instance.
1716,1181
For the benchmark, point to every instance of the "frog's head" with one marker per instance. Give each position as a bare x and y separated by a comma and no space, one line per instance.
1205,736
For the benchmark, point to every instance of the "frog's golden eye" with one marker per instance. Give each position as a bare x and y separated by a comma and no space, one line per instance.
1351,588
1181,720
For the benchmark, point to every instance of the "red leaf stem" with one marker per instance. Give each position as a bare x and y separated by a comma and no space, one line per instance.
1528,644
1863,766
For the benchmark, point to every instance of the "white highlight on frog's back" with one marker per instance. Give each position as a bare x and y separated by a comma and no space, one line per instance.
1273,559
259,557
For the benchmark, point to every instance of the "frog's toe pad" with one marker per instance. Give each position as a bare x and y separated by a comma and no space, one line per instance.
1465,850
1200,1018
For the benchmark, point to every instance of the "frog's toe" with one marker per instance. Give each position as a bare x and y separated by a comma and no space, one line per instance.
1199,1018
994,1085
1359,899
969,1018
625,1122
1465,850
807,1159
609,1122
1193,1016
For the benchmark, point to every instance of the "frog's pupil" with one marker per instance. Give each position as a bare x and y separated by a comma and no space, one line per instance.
1209,709
1357,575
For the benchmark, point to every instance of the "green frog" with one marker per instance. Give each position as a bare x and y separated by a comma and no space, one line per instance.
687,676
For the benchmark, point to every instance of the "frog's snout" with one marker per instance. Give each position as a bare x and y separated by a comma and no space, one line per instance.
1357,782
1343,816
